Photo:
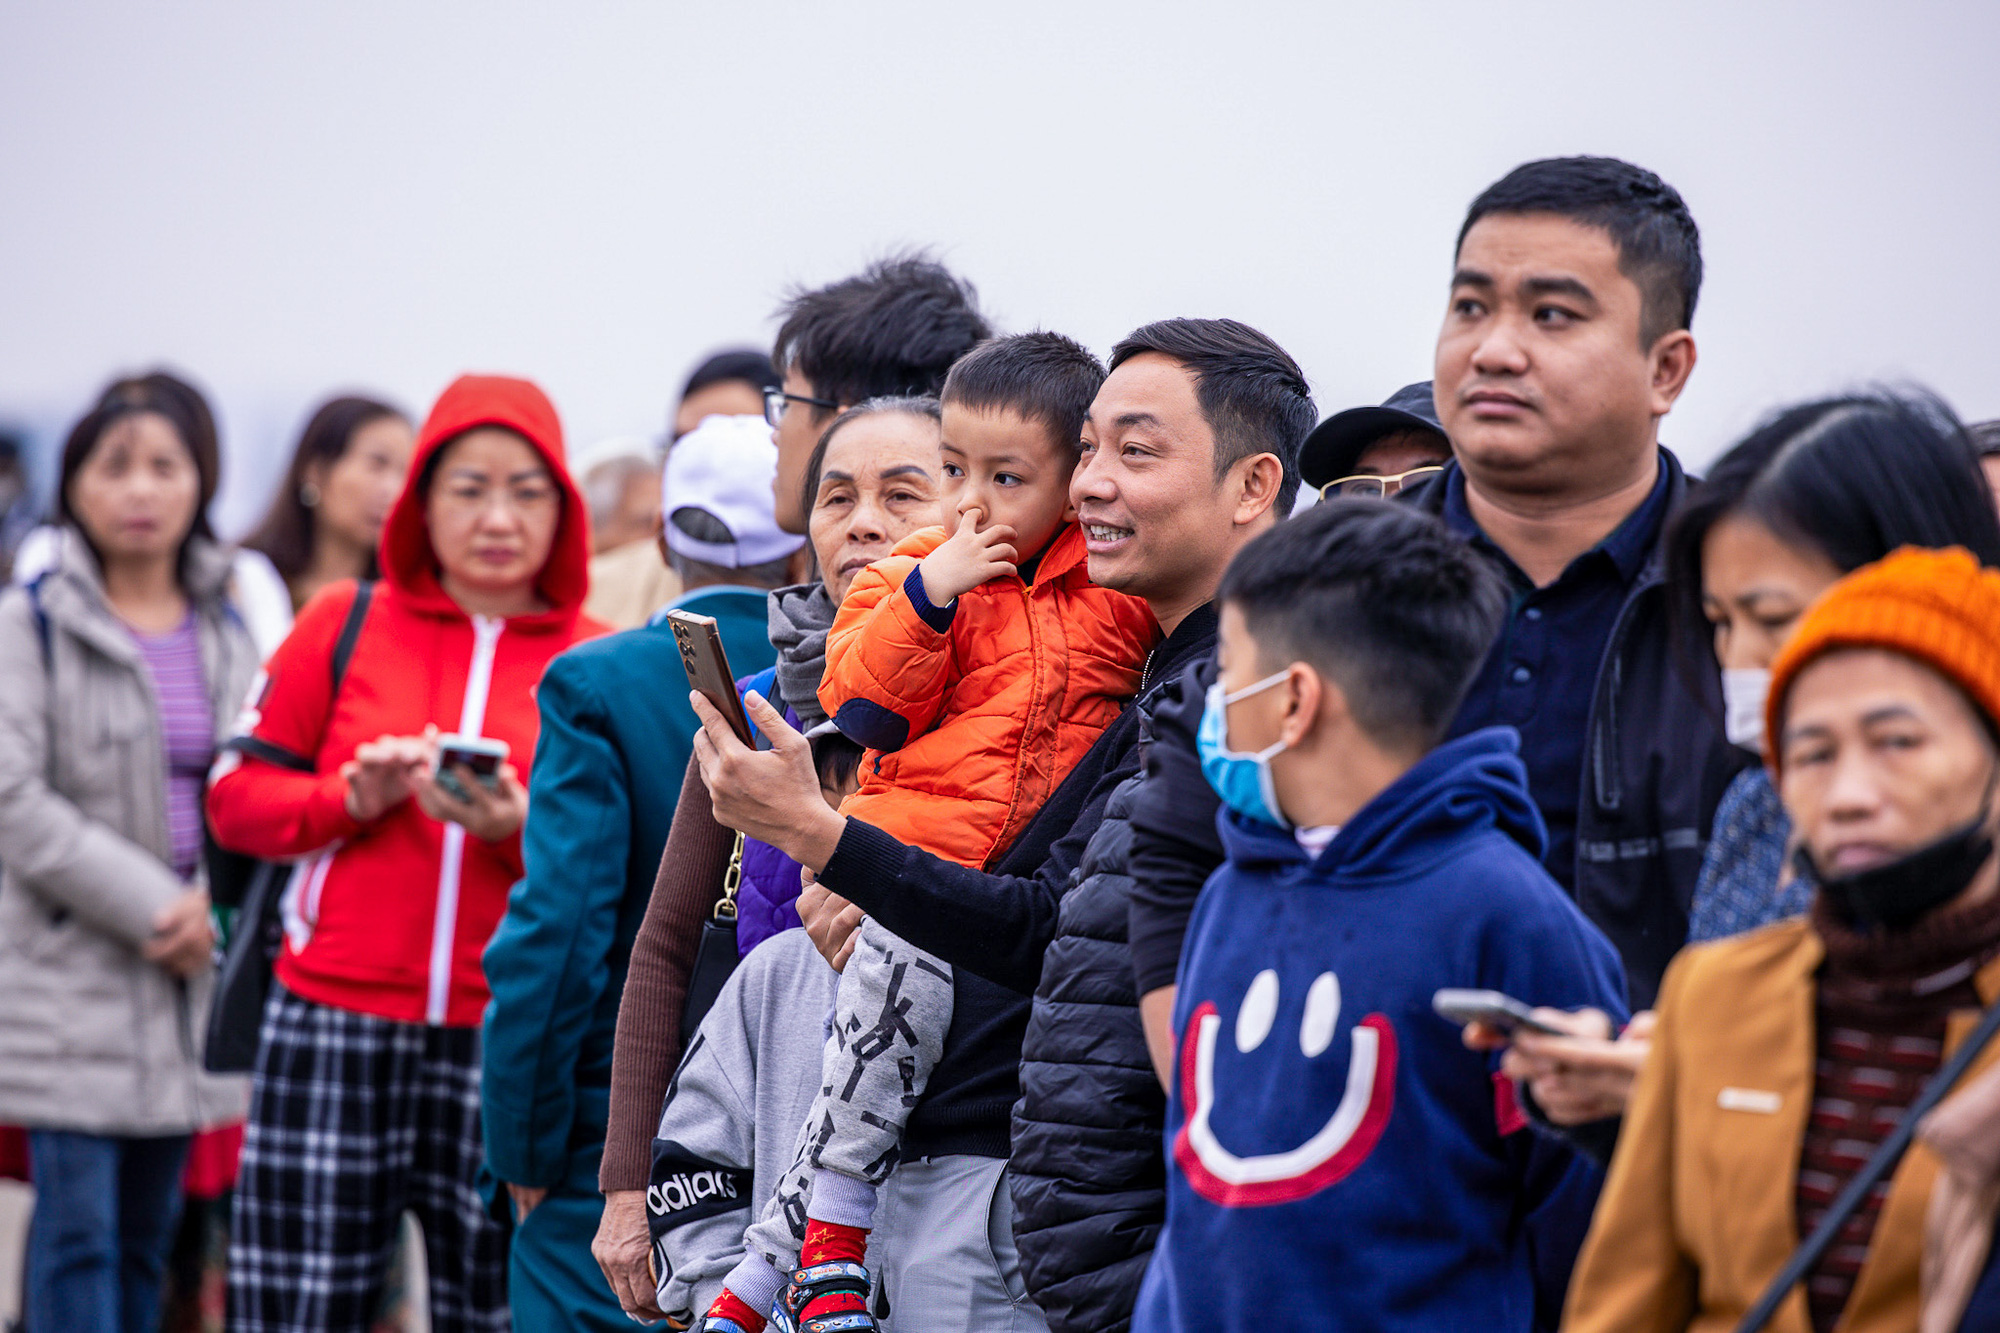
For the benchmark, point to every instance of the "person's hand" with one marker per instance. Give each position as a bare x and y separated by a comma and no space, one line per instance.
384,773
832,923
525,1198
771,795
492,814
183,941
967,559
1579,1077
623,1248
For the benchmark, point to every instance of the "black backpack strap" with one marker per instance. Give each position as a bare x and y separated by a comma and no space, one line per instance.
350,630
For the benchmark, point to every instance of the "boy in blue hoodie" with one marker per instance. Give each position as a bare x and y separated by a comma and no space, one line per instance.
1337,1157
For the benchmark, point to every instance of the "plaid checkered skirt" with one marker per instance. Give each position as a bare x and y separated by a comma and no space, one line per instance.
354,1119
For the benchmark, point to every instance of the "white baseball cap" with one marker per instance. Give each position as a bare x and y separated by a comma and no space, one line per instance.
726,465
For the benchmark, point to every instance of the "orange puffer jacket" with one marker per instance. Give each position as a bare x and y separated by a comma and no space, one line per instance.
973,713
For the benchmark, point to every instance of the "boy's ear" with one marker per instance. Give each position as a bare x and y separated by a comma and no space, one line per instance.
1311,695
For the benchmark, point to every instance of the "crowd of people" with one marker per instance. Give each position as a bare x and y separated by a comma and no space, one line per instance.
1169,862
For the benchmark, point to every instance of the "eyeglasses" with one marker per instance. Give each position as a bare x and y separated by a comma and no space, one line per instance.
776,400
1363,484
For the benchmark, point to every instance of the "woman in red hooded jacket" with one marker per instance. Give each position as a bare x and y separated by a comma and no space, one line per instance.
365,1096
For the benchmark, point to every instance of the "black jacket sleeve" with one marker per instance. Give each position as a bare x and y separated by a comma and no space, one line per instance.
993,924
1175,846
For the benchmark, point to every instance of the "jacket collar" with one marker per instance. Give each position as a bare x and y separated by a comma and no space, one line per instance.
72,592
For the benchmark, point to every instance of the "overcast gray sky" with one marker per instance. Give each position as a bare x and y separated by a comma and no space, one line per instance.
288,199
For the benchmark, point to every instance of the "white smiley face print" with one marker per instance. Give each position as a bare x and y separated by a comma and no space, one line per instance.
1335,1149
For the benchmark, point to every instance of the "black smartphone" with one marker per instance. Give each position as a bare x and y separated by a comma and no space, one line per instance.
707,667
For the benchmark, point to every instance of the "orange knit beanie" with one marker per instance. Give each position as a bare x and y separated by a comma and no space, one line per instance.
1939,607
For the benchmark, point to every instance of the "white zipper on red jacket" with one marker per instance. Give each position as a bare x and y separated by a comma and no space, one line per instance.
451,865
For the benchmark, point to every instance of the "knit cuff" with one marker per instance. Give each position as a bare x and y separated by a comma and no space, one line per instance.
841,1200
938,618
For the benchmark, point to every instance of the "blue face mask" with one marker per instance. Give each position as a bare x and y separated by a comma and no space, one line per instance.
1241,778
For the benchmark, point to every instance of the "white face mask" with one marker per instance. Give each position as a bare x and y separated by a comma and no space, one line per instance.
1743,692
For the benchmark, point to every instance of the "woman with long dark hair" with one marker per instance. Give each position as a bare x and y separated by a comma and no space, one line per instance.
121,664
326,519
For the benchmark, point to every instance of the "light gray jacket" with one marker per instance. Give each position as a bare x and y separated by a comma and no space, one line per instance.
93,1037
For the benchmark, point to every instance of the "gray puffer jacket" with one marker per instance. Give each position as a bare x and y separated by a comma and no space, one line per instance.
93,1037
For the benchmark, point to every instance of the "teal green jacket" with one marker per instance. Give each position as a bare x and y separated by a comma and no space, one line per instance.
616,737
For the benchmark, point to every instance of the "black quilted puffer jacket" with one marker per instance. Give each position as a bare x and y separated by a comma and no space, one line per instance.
1088,1175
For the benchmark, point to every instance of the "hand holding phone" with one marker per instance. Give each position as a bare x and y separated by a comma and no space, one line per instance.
1499,1011
707,666
479,755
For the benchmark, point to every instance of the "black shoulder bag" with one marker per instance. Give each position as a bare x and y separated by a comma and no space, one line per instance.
1881,1164
715,955
255,887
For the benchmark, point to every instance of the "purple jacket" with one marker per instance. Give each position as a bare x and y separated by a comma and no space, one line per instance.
765,900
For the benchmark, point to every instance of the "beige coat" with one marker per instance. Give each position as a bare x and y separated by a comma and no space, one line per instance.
92,1036
1697,1214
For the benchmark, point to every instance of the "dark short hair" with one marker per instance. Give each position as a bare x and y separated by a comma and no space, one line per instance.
289,528
1041,377
1252,394
1380,597
184,408
891,330
744,365
1659,247
921,406
1852,477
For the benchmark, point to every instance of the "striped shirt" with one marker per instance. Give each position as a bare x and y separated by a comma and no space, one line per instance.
187,724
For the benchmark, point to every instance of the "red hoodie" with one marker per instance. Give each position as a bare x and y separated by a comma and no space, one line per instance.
390,918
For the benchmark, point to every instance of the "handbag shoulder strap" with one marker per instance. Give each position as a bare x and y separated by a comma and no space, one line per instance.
732,879
1886,1156
350,630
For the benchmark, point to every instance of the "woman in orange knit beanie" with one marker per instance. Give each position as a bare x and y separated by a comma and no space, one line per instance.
1783,1056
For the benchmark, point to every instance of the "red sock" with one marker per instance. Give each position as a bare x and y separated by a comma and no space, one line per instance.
730,1306
827,1243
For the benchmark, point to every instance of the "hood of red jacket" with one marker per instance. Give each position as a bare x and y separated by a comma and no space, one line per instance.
408,560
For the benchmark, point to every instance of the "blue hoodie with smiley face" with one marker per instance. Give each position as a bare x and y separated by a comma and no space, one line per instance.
1336,1157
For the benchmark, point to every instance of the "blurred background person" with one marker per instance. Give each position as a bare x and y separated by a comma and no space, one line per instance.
1377,450
120,667
616,736
1986,438
1783,1058
730,383
366,1085
326,520
17,501
255,589
620,477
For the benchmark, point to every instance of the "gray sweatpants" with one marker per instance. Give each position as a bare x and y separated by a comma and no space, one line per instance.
890,1016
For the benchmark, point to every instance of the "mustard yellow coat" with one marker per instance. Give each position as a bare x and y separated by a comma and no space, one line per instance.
1697,1214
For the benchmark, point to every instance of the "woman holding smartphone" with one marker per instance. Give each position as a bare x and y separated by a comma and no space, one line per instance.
366,1087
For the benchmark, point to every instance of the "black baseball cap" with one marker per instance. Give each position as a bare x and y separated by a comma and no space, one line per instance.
1337,443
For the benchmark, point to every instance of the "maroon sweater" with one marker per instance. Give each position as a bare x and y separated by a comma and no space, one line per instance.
1882,1005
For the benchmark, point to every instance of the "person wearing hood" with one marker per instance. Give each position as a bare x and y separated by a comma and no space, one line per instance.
1785,1057
121,665
365,1094
1332,1146
615,740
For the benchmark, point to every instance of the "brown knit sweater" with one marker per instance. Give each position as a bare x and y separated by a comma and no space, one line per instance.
1882,1005
648,1044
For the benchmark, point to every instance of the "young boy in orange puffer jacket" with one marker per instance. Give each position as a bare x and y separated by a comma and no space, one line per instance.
978,663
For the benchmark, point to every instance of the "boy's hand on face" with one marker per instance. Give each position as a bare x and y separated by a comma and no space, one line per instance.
968,558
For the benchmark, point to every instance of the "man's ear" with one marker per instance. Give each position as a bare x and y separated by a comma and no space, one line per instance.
1257,480
1673,358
